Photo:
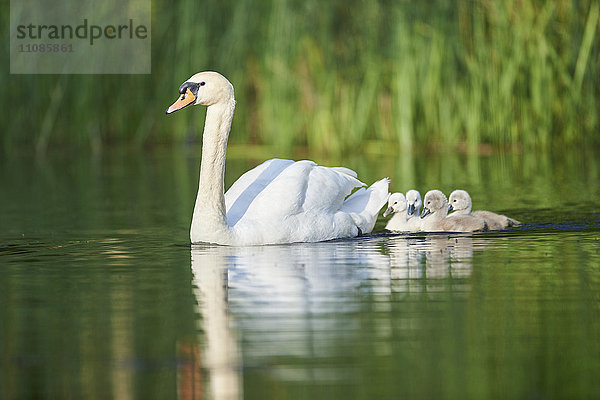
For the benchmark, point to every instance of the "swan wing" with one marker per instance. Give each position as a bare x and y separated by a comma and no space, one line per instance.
364,204
284,201
280,188
248,186
345,170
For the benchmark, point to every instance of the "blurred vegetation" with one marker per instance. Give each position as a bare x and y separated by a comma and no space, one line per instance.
337,76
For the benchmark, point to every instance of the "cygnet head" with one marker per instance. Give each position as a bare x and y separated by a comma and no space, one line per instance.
396,204
413,202
204,88
460,201
435,201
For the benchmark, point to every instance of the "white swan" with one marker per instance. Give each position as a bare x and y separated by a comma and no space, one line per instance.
435,216
403,219
461,203
279,201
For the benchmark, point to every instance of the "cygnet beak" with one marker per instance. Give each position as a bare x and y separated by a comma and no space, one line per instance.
425,212
387,212
411,209
450,207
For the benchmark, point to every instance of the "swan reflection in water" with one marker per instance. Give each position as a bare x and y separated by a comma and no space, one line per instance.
220,353
271,295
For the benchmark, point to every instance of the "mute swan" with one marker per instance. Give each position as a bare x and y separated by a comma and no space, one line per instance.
279,201
435,216
461,203
401,221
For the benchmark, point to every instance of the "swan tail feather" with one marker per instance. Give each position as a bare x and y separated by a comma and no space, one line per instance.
364,204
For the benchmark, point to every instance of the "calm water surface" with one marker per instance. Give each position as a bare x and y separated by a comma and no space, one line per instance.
101,296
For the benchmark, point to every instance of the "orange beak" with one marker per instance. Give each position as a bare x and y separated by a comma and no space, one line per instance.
183,101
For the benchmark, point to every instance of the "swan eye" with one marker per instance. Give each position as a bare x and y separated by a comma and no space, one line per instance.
395,202
202,83
183,96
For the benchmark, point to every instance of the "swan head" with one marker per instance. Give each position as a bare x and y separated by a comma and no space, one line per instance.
396,204
414,202
460,201
204,88
435,201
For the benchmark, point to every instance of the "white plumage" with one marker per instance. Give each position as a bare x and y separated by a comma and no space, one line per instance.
285,201
404,218
279,201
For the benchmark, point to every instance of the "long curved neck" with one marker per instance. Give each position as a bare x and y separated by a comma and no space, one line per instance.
209,222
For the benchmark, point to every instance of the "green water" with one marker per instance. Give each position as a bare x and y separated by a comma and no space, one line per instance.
102,297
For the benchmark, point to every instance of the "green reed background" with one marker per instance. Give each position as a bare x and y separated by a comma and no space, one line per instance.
338,76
